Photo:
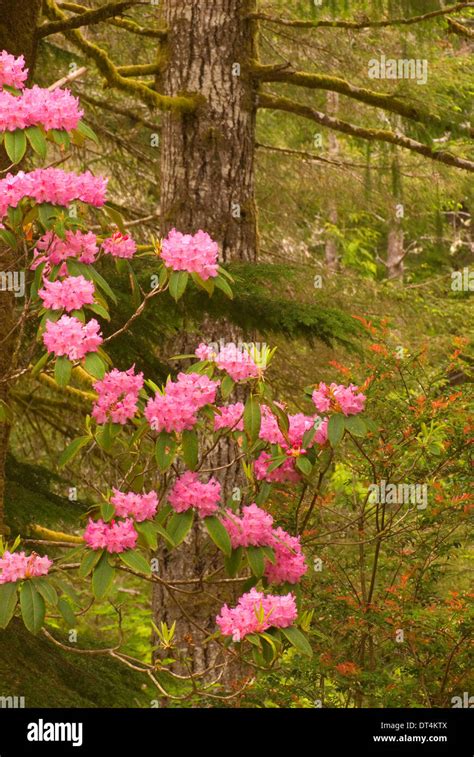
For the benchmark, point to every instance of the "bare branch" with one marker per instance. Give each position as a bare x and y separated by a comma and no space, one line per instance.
133,115
122,23
87,18
378,135
457,28
67,79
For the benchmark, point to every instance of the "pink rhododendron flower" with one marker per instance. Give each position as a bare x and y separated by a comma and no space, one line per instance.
284,474
290,563
51,185
252,528
140,507
120,246
298,425
195,254
53,250
177,408
56,109
116,536
235,360
70,294
188,491
70,337
342,399
118,396
12,71
15,566
255,612
231,416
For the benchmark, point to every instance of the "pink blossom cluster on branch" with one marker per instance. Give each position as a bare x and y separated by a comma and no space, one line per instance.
71,338
196,253
58,109
256,612
340,398
115,537
140,507
230,416
16,566
234,360
120,245
176,409
188,491
53,250
118,395
12,71
70,294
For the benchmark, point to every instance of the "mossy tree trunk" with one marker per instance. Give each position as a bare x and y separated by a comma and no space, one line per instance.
18,22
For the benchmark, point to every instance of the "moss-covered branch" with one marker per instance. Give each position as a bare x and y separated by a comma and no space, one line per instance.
87,18
364,24
113,77
383,100
132,114
139,70
460,29
372,135
123,23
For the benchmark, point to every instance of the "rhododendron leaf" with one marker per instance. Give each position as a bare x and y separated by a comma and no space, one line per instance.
47,214
218,534
180,525
223,272
107,511
9,238
46,589
32,606
89,561
233,563
207,285
37,140
160,530
227,386
147,531
66,611
190,446
336,428
116,217
79,314
356,425
62,371
72,449
252,418
264,493
298,640
15,144
60,137
165,450
94,365
223,285
163,513
304,465
87,132
90,273
136,561
269,553
178,284
308,437
256,559
8,602
15,216
276,463
103,577
68,589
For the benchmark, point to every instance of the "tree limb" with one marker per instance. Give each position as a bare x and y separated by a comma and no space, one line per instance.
123,23
380,135
139,70
87,18
133,115
457,28
365,24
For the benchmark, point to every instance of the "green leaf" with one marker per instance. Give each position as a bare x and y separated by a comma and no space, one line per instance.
62,371
336,428
8,602
252,418
89,561
87,132
135,560
304,465
32,606
99,310
233,563
149,532
66,611
9,238
60,137
103,577
223,285
356,425
180,525
190,445
178,283
269,553
72,449
46,589
15,144
116,217
298,640
107,510
227,386
94,365
37,140
218,534
38,367
165,450
256,558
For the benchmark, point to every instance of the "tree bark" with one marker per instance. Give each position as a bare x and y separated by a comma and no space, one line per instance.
18,22
207,182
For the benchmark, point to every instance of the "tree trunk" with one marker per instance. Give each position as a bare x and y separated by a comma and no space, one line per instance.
207,182
18,21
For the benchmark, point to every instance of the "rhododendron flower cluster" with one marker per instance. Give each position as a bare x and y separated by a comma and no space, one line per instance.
51,185
252,528
120,246
195,254
15,566
235,360
290,564
53,110
115,537
12,71
298,425
53,250
140,507
70,294
342,399
118,396
177,408
71,338
255,612
230,416
188,491
285,473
